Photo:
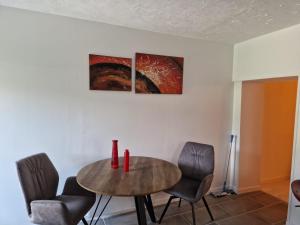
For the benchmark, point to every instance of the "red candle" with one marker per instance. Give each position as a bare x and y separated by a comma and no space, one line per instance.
126,161
114,156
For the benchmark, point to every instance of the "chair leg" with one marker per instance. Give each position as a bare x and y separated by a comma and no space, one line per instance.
193,214
209,212
166,208
179,203
84,221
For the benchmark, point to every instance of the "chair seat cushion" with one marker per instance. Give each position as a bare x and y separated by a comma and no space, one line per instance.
186,189
77,206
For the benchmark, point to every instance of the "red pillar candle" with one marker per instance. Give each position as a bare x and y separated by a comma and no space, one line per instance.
114,156
126,161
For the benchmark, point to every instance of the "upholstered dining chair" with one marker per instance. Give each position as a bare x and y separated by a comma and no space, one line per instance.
296,190
196,163
39,182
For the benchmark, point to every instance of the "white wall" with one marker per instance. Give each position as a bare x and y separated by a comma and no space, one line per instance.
46,105
272,55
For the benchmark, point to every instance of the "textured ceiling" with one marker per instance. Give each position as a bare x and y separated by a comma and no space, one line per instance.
228,21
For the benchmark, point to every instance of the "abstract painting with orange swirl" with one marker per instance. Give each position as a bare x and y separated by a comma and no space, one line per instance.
110,73
158,74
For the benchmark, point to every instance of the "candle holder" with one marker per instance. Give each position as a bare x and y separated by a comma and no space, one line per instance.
126,161
114,155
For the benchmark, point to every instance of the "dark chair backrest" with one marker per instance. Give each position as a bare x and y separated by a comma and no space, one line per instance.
38,178
196,160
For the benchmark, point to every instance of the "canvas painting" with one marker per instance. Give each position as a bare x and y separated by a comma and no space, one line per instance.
158,74
110,73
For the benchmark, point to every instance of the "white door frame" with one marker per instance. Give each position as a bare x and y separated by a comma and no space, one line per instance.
236,124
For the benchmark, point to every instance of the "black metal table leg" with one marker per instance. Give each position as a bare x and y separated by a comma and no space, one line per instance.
109,198
99,200
84,221
140,210
149,205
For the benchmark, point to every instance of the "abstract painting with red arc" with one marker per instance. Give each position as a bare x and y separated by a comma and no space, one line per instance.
110,73
158,74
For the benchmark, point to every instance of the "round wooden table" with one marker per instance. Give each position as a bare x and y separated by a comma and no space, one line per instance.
146,176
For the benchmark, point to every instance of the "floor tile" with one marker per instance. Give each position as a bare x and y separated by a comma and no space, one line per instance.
243,220
248,194
175,220
125,219
255,208
202,216
240,205
212,200
265,199
100,222
272,214
212,223
173,209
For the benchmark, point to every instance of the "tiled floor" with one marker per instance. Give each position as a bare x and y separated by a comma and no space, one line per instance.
255,208
278,189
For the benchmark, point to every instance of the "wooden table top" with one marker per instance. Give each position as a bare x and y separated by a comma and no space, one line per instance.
146,175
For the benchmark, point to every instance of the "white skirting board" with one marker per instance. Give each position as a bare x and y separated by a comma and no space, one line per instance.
249,189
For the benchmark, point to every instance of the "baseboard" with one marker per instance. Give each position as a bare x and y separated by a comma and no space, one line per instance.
118,213
249,189
275,180
157,199
216,189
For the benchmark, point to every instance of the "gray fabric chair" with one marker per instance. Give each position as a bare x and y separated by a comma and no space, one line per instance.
196,163
39,182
